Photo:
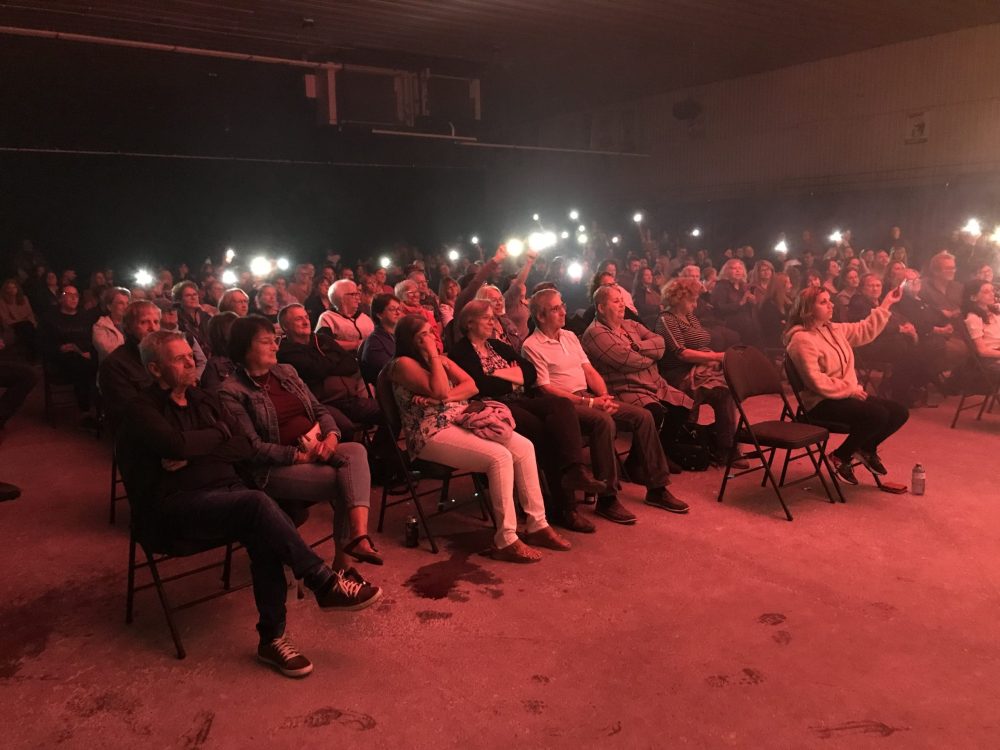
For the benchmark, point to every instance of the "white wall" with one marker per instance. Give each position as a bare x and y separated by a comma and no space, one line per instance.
840,121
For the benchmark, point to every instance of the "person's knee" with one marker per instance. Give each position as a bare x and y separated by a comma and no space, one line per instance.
352,453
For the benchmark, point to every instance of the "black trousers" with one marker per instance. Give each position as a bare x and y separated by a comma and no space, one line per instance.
871,421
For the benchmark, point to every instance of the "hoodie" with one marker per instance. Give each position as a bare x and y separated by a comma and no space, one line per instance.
824,355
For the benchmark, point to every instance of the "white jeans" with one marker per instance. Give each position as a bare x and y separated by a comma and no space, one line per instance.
507,465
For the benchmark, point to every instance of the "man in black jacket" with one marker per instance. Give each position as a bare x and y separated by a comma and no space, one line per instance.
176,449
122,376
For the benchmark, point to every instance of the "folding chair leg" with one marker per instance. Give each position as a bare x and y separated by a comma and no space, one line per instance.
829,470
130,591
381,512
725,475
227,567
421,516
987,399
958,411
167,612
777,489
114,487
819,473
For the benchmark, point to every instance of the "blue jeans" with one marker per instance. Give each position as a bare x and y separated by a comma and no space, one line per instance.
255,520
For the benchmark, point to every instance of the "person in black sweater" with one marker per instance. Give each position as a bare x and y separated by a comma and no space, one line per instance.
69,350
550,422
122,376
177,448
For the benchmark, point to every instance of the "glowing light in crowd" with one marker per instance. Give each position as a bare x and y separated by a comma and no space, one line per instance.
230,254
696,232
836,236
564,234
575,270
453,255
583,239
385,261
534,217
973,227
637,217
574,214
581,228
474,239
260,266
283,264
514,247
229,277
539,241
143,277
616,239
781,247
995,237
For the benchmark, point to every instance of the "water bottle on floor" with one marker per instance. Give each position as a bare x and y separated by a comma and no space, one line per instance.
918,482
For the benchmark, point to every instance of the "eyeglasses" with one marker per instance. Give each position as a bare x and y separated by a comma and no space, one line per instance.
352,294
556,308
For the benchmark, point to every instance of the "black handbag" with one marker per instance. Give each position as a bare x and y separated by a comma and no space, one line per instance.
691,447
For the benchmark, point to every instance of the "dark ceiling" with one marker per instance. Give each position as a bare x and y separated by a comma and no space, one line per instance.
534,56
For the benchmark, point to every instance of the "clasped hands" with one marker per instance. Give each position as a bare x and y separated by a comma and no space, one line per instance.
318,452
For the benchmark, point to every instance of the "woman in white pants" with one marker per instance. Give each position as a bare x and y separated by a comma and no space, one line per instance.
432,392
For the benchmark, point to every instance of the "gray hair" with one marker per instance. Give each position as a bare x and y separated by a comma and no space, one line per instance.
109,294
404,286
481,294
337,290
152,345
602,292
135,310
539,300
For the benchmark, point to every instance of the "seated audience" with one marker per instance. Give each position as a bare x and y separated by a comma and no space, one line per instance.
219,365
646,295
318,301
549,422
107,334
516,305
831,276
690,365
236,301
626,354
562,369
176,451
504,328
192,320
18,319
940,290
734,303
760,279
266,302
122,376
408,293
379,348
69,348
432,392
981,318
447,292
169,321
822,352
347,324
772,313
297,453
939,346
850,283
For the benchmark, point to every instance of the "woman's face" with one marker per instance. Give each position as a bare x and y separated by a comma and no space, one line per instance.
450,292
764,274
99,279
117,307
986,296
190,299
823,309
241,304
647,276
263,354
737,272
833,269
985,273
421,336
686,305
897,272
9,290
852,279
814,280
51,279
411,296
482,327
391,315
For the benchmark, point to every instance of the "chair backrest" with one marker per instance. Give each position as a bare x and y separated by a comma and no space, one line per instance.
794,378
387,400
749,373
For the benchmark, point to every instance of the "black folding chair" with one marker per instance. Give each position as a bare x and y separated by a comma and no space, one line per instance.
749,373
118,492
413,472
975,378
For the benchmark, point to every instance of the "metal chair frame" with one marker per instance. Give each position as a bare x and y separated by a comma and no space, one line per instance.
975,374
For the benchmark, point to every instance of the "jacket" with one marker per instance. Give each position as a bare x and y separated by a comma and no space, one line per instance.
377,351
106,337
249,405
120,378
465,356
330,372
824,355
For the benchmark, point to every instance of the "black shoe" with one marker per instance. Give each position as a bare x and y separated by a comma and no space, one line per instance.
844,470
352,574
9,492
573,521
611,509
661,497
283,656
872,462
347,595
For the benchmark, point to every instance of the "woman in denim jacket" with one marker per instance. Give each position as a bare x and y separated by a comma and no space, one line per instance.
278,411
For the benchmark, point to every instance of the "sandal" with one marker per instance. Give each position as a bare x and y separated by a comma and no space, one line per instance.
517,552
363,555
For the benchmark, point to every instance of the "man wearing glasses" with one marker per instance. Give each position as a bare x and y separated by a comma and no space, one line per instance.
565,370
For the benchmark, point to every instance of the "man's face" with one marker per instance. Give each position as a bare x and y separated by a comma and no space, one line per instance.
168,320
297,323
176,366
872,288
189,298
554,312
946,269
147,322
613,309
69,299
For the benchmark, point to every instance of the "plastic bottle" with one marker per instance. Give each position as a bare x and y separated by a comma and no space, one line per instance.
918,482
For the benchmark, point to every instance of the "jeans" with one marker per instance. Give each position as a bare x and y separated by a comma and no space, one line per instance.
646,463
255,520
344,487
18,380
871,421
506,464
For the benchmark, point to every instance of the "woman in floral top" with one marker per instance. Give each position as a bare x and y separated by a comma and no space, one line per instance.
431,392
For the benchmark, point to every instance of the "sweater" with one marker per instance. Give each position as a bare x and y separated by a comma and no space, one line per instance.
824,356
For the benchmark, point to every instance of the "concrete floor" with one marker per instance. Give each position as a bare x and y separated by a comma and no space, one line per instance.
870,624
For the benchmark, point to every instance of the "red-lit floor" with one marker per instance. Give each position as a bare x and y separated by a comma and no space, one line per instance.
870,624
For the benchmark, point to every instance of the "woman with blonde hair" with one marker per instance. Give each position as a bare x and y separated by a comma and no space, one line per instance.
734,301
772,315
760,279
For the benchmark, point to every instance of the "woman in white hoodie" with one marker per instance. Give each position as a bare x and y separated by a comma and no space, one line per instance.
107,333
823,355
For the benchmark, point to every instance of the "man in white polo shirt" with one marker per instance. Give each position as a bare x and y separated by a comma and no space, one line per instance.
564,370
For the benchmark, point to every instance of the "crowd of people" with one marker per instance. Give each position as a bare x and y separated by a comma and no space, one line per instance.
234,405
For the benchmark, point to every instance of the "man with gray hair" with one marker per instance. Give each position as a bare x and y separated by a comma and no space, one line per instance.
176,449
122,376
346,323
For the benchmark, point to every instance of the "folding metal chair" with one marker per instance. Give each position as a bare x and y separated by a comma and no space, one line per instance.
975,378
749,373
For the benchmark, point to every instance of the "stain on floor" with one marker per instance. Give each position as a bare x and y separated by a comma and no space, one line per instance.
440,580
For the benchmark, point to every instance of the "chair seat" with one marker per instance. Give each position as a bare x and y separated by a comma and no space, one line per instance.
836,428
182,547
778,434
